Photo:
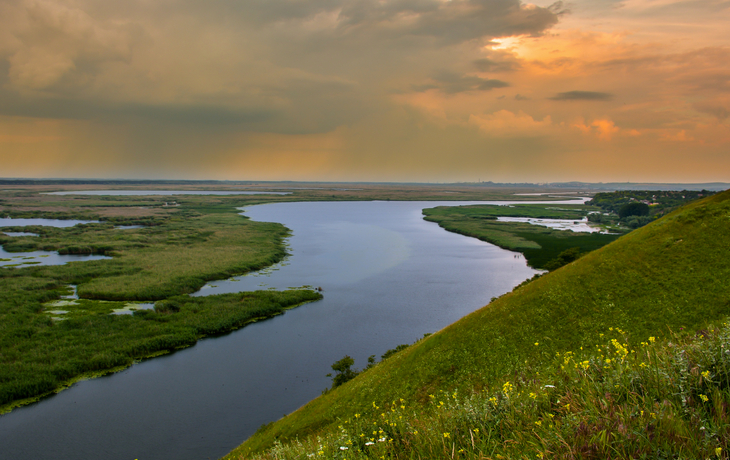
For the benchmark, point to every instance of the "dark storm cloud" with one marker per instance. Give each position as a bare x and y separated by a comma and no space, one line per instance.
719,111
582,96
454,21
491,65
451,83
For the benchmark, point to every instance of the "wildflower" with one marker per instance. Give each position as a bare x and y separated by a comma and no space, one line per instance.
476,430
383,439
537,343
447,435
718,451
706,374
652,339
357,415
493,400
369,443
533,395
507,388
539,455
343,448
538,423
704,398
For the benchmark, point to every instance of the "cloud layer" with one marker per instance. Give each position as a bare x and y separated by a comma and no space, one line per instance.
364,89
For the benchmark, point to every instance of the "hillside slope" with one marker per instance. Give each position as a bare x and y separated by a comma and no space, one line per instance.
669,275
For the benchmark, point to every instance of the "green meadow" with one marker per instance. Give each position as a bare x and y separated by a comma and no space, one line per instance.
622,350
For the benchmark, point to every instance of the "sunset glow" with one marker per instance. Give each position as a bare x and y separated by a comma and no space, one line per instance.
596,90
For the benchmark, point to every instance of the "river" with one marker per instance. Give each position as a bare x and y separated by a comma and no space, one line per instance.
388,278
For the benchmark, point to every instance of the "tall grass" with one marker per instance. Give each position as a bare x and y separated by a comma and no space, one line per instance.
664,399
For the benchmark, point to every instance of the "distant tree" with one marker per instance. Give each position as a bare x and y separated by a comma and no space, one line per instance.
635,208
595,217
636,221
393,351
564,258
344,371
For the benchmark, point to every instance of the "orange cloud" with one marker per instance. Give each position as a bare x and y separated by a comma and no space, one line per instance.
504,123
604,129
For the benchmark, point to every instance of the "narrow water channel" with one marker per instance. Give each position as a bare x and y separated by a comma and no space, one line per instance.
388,277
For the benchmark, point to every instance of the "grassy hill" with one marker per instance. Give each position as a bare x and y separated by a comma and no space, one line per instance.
671,275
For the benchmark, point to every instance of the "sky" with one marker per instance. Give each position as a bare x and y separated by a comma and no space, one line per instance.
366,90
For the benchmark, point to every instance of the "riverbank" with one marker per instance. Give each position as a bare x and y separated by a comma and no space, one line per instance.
169,246
540,245
668,276
53,357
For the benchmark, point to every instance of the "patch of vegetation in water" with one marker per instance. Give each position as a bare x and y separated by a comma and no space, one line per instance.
40,355
541,246
42,350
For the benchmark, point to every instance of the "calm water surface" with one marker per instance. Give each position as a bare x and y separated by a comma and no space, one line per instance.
388,277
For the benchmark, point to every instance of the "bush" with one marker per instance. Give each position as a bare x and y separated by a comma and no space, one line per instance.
635,208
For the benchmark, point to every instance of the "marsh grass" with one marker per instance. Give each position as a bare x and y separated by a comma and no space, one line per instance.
43,350
40,356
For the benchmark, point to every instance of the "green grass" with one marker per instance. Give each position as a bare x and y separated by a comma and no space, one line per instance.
670,274
655,400
539,244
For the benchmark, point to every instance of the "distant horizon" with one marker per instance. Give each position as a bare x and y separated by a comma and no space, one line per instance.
710,186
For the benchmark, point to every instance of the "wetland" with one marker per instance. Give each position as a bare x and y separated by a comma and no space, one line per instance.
387,275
